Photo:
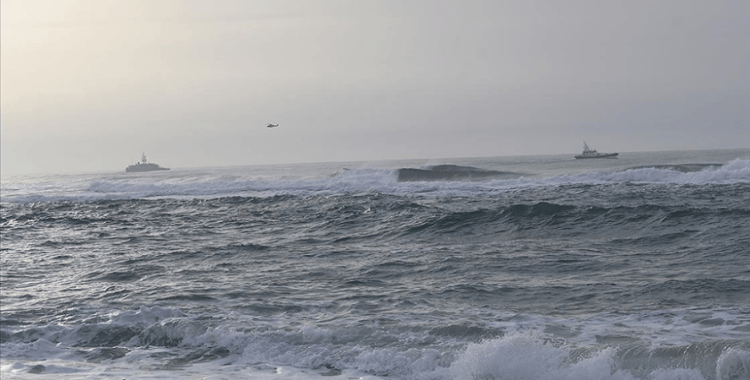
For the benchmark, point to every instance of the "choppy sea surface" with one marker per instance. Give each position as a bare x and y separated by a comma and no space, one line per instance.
535,267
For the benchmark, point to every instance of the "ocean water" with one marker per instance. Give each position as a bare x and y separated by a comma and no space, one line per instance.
536,267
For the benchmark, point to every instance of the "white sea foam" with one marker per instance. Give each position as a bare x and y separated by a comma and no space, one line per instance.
515,356
733,364
524,356
735,171
530,349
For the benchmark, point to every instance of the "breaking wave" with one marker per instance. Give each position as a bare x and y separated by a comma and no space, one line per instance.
451,173
444,180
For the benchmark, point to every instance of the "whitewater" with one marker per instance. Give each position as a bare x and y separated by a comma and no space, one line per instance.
528,267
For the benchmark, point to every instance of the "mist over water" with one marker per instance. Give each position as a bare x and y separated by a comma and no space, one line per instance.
538,267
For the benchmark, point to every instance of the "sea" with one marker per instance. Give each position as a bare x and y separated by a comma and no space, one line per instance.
490,268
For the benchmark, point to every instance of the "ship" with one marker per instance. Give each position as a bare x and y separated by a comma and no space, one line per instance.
592,153
143,166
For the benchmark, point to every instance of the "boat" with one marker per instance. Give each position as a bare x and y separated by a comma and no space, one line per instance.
592,153
143,166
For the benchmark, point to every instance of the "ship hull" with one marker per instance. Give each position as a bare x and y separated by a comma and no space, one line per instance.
144,168
599,155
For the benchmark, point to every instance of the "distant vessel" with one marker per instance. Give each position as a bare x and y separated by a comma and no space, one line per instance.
144,166
592,153
272,125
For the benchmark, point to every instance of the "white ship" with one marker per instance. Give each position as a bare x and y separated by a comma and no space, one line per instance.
592,153
143,166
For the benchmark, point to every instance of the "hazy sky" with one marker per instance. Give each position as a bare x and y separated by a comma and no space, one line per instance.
89,85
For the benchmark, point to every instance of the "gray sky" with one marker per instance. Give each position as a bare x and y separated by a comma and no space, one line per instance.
89,85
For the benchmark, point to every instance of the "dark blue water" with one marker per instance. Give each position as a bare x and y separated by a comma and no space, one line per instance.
488,268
